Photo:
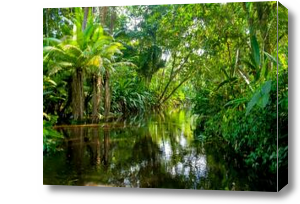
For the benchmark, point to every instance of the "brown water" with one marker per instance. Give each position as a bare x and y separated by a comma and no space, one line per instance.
153,151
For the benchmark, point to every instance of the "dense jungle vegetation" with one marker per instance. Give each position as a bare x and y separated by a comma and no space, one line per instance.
219,60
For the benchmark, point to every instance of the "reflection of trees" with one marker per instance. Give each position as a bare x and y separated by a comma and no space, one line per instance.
75,148
147,153
136,157
106,147
132,158
93,147
146,150
85,144
150,156
145,167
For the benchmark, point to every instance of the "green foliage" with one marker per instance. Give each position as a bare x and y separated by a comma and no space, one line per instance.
260,97
218,58
129,93
253,135
255,51
51,138
236,102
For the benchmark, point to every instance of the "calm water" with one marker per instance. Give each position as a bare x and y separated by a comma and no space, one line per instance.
153,151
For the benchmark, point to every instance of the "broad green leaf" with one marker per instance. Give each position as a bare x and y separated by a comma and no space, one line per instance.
47,92
72,49
253,102
264,72
47,79
52,40
266,88
263,101
255,51
54,133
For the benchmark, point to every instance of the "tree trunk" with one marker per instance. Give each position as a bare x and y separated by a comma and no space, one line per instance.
174,73
47,27
96,97
103,13
174,90
62,113
112,19
86,12
263,11
107,95
77,95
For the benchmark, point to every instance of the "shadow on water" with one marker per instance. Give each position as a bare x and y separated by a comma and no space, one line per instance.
157,151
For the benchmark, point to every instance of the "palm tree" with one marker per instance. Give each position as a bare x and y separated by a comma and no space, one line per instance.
88,50
77,52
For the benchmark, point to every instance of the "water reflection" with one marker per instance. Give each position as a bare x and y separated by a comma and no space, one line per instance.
150,152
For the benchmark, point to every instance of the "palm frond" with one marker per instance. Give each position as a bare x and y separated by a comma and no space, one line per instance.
72,49
123,64
52,41
95,61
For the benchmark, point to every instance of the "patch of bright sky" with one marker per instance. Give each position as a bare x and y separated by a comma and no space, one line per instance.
166,149
133,22
166,55
200,52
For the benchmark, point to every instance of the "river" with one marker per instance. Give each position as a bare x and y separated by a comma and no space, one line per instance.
146,151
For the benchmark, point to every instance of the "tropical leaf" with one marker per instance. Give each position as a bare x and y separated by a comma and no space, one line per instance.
47,92
65,64
255,51
46,115
236,102
272,59
47,79
264,71
263,101
260,97
72,49
266,88
54,40
253,102
97,33
122,64
51,133
95,61
113,48
106,62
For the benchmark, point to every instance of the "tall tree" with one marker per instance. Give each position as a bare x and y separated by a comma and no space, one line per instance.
86,13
